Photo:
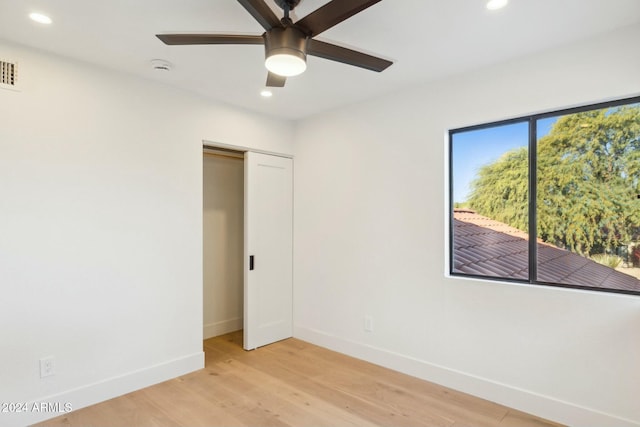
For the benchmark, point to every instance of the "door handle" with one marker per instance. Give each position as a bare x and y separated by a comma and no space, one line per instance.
251,263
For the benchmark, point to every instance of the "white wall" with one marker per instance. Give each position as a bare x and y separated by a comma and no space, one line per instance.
101,228
370,239
223,244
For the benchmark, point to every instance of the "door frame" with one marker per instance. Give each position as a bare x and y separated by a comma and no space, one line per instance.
240,149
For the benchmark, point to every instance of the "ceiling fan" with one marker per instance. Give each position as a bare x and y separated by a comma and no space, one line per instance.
288,43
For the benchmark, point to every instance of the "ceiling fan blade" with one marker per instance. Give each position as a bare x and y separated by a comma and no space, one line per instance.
332,14
261,13
274,80
346,56
187,39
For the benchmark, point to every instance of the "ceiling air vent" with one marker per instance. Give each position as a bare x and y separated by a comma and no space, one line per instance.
8,75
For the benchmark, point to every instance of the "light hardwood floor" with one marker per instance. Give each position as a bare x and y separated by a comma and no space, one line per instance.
293,383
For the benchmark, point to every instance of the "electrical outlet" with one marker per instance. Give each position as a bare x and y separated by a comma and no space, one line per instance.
368,324
47,366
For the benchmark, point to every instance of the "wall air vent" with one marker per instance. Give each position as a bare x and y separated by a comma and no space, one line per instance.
8,75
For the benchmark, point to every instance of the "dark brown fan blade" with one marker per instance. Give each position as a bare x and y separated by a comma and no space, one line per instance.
185,39
261,13
274,80
346,56
332,14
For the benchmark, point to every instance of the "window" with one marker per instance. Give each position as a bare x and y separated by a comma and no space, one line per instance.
550,199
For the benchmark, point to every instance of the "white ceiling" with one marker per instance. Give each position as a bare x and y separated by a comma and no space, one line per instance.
426,39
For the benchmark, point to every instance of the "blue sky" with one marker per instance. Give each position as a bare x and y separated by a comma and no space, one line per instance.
474,149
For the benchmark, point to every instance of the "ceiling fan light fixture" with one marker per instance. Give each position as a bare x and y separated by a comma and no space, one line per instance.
286,64
285,51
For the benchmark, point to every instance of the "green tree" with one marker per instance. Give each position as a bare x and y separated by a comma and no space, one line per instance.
500,190
588,180
587,185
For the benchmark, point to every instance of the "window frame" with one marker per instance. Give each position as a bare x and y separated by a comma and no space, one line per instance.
532,147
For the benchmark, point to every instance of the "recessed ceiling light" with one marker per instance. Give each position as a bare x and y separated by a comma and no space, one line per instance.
496,4
40,18
266,93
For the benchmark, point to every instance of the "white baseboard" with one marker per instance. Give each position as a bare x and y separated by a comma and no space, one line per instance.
223,327
504,394
91,394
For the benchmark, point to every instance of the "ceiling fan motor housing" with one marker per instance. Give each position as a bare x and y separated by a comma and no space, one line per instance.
287,41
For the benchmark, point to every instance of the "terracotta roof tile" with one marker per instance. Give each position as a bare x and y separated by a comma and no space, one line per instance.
486,247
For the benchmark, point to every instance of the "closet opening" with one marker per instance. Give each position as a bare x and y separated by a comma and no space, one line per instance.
223,245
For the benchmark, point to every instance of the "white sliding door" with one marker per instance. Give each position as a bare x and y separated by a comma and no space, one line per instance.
268,279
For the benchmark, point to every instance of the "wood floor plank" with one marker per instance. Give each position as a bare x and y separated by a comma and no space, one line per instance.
289,384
